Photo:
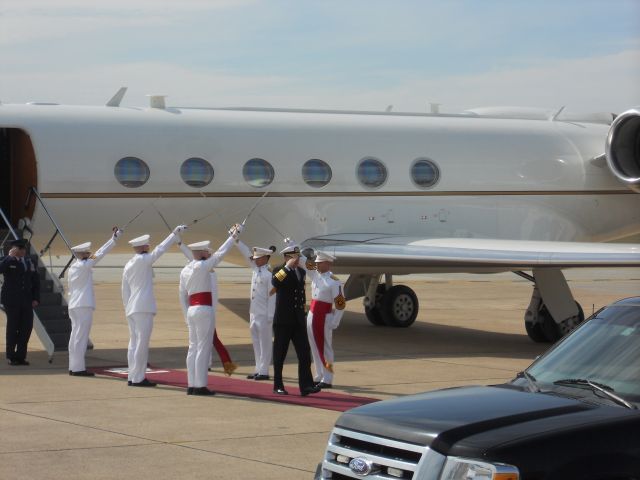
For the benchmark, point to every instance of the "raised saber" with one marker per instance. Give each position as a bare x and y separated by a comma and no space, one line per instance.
282,235
162,217
255,205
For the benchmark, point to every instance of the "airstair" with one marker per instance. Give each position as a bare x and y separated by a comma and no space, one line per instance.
51,321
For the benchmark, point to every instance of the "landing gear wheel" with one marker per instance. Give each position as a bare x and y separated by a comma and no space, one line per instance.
535,332
374,314
399,306
555,331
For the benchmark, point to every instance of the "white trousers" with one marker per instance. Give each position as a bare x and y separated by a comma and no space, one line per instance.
201,325
140,327
321,373
261,335
81,320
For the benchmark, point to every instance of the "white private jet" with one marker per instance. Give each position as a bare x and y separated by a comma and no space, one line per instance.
387,193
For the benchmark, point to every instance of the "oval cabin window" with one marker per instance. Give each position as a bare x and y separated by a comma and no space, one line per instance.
258,172
131,172
316,173
425,173
196,172
372,173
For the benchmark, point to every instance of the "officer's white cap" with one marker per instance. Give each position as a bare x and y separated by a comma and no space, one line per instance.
82,248
200,246
140,241
290,249
261,252
324,257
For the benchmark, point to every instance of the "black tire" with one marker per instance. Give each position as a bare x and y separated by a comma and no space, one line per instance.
399,306
555,331
374,314
535,332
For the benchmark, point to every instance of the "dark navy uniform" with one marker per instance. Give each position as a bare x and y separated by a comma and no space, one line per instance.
20,288
289,324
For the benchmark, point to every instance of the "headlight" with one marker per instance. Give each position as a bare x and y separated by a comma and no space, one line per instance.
457,468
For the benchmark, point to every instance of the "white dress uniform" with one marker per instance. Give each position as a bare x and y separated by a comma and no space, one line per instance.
327,302
140,303
261,308
82,300
197,304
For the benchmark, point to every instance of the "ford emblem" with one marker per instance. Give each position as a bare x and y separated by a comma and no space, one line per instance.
361,466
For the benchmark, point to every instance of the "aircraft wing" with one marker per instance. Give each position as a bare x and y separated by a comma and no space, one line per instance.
370,253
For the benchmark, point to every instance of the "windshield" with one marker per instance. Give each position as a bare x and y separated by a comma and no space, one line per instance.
604,350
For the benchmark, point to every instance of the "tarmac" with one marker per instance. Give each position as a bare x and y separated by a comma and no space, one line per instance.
469,331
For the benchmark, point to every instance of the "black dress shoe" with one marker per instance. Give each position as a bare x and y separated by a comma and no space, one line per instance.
280,391
323,385
22,362
129,382
143,383
252,376
14,362
190,391
82,373
202,391
262,377
309,390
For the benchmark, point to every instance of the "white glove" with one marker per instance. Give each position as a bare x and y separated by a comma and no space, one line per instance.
179,229
117,232
236,230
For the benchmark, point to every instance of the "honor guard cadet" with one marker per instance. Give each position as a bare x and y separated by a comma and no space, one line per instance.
227,364
140,303
327,307
20,294
82,300
261,309
197,305
289,322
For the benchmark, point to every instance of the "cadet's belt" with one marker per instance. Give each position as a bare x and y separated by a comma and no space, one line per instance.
318,306
202,298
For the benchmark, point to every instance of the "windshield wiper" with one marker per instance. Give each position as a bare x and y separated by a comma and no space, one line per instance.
531,380
597,387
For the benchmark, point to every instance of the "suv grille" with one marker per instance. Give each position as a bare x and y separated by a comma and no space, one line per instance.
387,459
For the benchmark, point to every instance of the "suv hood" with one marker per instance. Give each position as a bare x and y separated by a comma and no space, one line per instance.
439,419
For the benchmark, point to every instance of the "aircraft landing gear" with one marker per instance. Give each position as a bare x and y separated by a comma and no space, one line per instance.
393,306
540,325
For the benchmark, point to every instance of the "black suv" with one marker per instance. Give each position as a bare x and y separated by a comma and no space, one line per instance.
573,414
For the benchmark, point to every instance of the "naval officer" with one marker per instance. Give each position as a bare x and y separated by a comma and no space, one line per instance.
197,305
327,307
289,323
261,308
140,303
82,300
20,294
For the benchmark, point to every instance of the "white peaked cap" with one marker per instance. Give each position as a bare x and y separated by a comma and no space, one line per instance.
82,248
140,241
324,257
290,249
261,252
199,245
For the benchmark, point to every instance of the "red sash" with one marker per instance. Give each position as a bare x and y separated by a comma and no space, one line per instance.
202,298
320,310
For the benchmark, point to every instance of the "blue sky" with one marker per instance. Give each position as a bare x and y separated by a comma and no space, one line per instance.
325,54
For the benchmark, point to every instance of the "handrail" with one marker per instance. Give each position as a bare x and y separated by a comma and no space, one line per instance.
58,229
8,224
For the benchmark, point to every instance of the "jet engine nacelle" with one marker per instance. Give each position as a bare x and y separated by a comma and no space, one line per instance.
623,148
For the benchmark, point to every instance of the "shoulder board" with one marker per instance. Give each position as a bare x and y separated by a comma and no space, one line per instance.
333,277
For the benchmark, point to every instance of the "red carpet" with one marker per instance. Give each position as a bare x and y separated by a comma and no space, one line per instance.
247,388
